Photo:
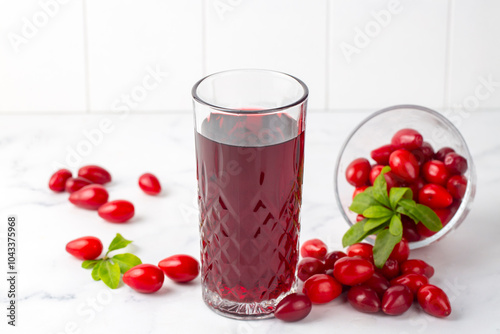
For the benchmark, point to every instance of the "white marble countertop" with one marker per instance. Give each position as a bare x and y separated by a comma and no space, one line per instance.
55,295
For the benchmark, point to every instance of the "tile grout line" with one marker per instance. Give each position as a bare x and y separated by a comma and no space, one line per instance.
448,54
327,57
204,37
86,56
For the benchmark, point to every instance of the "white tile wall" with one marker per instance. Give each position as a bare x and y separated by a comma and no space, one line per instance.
387,52
100,55
475,55
41,56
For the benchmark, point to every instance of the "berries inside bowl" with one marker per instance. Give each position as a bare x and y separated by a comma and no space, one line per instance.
425,152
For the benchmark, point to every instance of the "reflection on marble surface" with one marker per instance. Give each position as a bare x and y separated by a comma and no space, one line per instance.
57,296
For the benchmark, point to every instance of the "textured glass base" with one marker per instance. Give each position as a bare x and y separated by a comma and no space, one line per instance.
243,311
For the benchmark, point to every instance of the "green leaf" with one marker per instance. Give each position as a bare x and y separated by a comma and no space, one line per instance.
117,243
95,271
110,273
377,211
87,264
396,226
396,194
405,212
356,233
375,223
363,201
409,208
429,218
384,244
126,261
380,188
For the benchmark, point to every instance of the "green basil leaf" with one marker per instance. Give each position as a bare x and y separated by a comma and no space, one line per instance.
95,271
126,261
118,242
87,264
110,273
377,211
363,201
384,244
356,233
396,194
375,223
405,212
396,226
429,218
380,188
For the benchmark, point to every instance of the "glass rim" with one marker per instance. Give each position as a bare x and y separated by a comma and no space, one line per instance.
302,99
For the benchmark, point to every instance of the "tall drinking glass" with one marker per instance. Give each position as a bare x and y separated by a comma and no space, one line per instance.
249,131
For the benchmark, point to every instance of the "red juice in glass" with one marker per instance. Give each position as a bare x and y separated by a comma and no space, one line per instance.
249,199
249,133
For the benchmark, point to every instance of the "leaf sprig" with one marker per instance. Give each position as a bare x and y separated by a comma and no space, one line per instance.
382,212
108,269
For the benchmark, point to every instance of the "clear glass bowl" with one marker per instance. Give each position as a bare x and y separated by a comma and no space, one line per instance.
377,130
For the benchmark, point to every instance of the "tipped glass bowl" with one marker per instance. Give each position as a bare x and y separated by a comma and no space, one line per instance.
377,130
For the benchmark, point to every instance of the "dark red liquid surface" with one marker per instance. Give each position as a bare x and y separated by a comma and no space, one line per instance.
249,197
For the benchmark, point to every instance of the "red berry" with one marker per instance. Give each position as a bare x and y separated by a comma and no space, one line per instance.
313,248
410,232
180,268
423,153
358,171
392,180
118,211
353,270
77,183
57,181
408,139
293,307
455,163
363,299
436,172
378,283
90,197
415,187
444,215
333,257
401,251
322,288
95,174
456,186
390,269
308,267
404,165
144,278
441,154
434,301
412,281
415,266
85,248
359,218
424,231
358,190
397,300
381,154
434,196
375,172
149,184
361,249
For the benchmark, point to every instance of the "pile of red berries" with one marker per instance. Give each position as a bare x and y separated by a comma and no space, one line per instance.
391,289
87,191
436,178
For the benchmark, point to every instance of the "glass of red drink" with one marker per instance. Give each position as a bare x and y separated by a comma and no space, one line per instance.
249,132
